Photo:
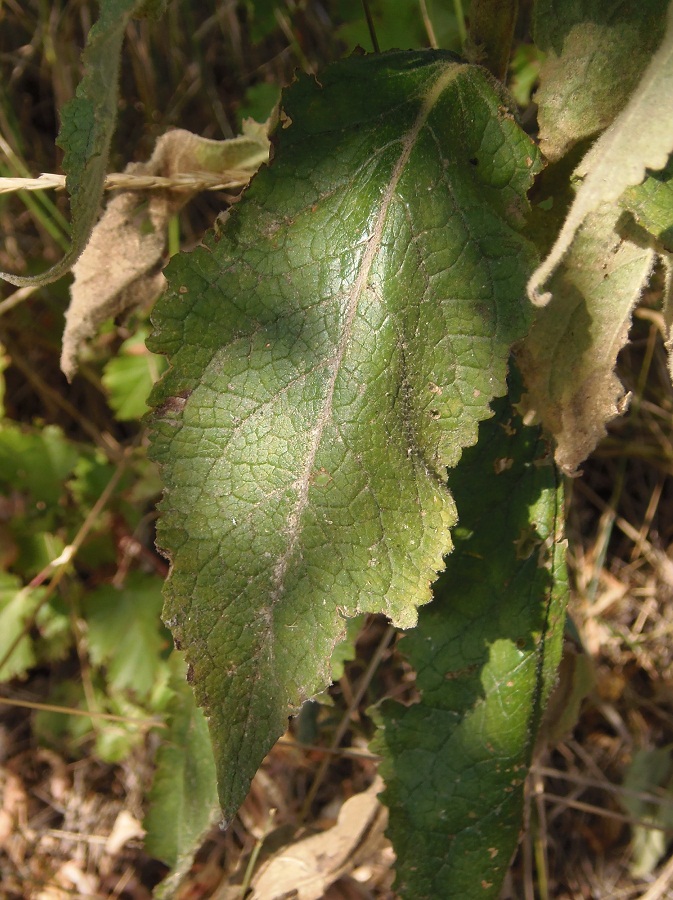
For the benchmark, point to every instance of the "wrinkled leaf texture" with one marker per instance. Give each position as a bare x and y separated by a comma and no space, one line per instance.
333,347
486,653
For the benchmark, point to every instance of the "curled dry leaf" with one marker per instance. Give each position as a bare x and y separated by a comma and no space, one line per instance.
568,359
120,267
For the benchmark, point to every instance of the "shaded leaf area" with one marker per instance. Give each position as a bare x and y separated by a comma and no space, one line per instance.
569,356
650,773
333,348
651,206
87,125
486,653
597,52
183,798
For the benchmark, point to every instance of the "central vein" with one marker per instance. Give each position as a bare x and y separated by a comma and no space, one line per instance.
303,482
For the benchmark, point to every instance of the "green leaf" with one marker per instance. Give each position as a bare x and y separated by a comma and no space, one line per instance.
183,798
333,348
36,463
125,633
596,53
485,653
87,125
17,607
129,377
345,650
651,204
258,102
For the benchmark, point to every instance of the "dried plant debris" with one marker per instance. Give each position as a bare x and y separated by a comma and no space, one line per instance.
120,267
569,357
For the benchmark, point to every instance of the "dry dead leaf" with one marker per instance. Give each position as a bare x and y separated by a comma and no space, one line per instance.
14,807
120,267
306,869
568,359
125,828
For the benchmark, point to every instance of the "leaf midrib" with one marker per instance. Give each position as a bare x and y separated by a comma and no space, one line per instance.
303,482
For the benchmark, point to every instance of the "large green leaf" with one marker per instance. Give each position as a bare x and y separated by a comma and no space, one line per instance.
486,653
333,348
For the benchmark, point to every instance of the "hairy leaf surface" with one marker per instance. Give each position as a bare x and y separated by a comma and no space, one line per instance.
333,348
596,53
569,356
641,137
486,652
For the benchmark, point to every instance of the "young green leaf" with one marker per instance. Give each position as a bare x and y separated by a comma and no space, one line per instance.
333,348
36,463
17,607
87,125
486,653
128,377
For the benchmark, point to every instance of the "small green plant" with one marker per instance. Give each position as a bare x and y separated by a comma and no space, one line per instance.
380,363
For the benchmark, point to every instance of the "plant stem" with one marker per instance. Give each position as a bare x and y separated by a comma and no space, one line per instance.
370,25
427,22
491,33
460,21
374,663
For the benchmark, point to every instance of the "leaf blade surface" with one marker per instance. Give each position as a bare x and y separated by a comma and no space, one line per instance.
486,652
333,348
